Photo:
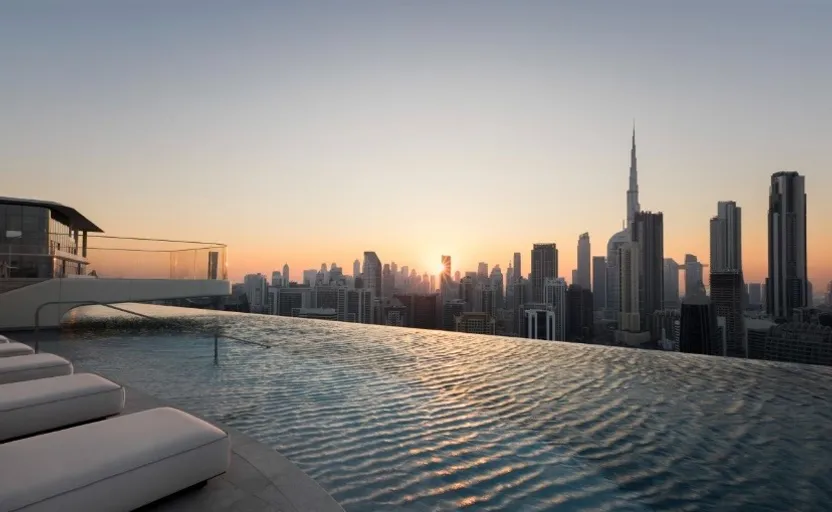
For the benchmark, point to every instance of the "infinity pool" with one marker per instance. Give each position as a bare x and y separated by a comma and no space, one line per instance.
404,419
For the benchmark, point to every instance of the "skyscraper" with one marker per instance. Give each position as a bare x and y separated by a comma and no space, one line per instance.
356,268
388,281
693,274
286,274
599,282
584,260
554,295
518,271
445,278
629,265
726,279
648,232
670,298
726,301
697,325
786,285
544,266
622,237
372,273
633,205
726,238
482,269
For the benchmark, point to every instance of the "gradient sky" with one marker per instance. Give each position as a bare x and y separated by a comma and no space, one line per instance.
309,132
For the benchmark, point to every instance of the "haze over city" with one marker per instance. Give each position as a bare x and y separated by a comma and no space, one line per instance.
309,132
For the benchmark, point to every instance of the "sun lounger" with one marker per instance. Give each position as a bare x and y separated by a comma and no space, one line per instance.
40,405
114,465
14,348
34,366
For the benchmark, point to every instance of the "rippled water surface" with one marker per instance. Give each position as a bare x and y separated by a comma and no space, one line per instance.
387,418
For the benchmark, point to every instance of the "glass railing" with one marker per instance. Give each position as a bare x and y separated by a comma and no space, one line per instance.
145,258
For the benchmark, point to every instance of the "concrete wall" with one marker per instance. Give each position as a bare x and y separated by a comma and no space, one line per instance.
17,307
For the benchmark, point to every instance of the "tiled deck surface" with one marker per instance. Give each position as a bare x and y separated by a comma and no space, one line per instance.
259,478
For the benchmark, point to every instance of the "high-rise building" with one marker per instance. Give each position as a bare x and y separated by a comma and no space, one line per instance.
475,323
574,276
286,274
584,260
726,301
829,294
496,280
579,319
257,290
277,279
599,282
629,265
613,305
482,269
786,285
648,232
467,293
518,273
693,274
697,326
755,295
445,278
670,298
544,266
554,295
356,268
372,274
726,238
388,281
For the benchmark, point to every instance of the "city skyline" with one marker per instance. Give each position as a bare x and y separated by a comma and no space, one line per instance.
232,124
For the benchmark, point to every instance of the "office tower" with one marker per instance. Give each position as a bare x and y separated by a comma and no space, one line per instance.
482,269
372,274
698,326
726,238
487,299
633,206
693,274
277,279
475,323
450,310
755,295
394,268
432,283
388,283
310,277
466,293
257,289
554,295
579,313
726,301
786,287
544,266
829,294
518,269
537,322
584,260
286,274
574,276
629,265
648,232
457,275
599,282
445,278
670,297
618,240
496,281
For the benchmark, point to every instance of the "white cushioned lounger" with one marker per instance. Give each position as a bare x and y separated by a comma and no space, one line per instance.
14,348
33,366
113,465
46,404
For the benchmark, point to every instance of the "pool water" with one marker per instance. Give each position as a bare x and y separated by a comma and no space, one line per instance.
404,419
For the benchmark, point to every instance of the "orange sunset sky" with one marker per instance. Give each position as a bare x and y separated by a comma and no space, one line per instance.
302,135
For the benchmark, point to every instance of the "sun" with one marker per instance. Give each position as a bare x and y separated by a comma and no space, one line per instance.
439,269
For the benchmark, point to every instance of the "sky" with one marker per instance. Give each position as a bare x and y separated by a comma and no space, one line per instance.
312,131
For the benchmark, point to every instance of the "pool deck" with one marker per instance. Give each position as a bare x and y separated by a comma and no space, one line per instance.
259,478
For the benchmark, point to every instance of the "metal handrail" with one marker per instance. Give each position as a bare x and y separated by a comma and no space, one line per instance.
217,334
